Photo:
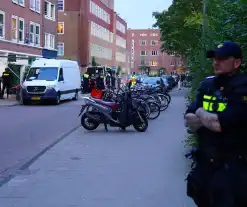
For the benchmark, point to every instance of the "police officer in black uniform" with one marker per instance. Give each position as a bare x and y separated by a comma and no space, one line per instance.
219,118
6,78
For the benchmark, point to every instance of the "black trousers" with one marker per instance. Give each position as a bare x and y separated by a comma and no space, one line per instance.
224,186
5,87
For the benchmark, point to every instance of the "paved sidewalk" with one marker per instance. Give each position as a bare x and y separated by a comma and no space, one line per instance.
7,102
109,169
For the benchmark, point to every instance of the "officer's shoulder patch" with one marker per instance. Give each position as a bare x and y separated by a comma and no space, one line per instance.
244,98
210,77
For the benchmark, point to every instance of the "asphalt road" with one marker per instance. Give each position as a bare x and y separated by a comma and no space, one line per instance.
27,130
109,169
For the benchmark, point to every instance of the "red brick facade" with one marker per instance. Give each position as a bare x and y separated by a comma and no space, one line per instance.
88,32
144,53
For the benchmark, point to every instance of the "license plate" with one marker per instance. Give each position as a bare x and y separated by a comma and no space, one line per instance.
35,98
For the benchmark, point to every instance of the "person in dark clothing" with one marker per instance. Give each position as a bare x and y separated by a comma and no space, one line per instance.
6,78
218,116
113,82
101,81
85,82
108,80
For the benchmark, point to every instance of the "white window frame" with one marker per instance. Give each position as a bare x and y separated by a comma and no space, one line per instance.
63,6
62,44
154,53
32,2
52,41
3,13
37,35
22,4
48,16
15,1
143,41
154,61
63,28
23,31
49,41
143,51
16,31
33,34
38,6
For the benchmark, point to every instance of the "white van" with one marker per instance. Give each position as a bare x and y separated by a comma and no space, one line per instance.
51,79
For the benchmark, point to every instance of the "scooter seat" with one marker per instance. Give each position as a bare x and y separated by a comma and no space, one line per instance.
106,103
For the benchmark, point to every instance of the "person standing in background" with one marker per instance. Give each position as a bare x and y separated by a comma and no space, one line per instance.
6,79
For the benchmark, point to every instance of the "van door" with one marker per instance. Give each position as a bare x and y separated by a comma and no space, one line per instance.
61,84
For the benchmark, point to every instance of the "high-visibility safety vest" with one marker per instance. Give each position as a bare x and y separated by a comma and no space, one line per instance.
210,103
133,80
86,76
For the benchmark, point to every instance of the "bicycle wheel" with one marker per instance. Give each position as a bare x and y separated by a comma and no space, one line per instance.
168,97
154,110
164,102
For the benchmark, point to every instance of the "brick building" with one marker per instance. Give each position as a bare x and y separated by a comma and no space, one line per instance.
144,46
28,30
91,28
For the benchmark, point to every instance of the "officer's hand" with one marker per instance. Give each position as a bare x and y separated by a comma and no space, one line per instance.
192,122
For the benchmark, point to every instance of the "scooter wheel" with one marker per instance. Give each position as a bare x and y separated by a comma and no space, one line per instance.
88,124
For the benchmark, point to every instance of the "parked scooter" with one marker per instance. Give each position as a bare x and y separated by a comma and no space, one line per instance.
122,114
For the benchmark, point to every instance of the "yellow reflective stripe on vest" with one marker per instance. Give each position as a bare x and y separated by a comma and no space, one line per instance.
209,97
210,101
86,75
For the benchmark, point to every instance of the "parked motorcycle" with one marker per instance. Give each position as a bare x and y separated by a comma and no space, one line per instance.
116,114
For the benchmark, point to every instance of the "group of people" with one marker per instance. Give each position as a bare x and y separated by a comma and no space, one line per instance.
218,117
99,81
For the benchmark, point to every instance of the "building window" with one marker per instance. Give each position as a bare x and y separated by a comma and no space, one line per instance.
99,12
2,24
21,30
22,2
143,53
49,10
49,41
143,62
172,63
60,5
60,49
31,32
14,24
120,27
37,34
143,42
35,5
60,28
154,53
154,63
154,42
15,1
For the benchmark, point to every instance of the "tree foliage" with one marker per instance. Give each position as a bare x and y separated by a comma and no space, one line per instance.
181,29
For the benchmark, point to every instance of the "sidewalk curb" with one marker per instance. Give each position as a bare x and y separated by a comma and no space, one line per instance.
17,104
40,154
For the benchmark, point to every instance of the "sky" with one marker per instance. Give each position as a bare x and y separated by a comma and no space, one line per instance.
139,14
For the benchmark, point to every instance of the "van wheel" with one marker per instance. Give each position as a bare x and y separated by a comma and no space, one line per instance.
25,102
57,101
76,96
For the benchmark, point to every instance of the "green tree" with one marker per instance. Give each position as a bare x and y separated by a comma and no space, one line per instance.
181,32
94,63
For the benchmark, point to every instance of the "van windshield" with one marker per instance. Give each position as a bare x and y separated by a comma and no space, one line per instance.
46,73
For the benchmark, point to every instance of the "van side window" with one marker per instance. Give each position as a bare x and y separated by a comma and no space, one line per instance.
61,75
